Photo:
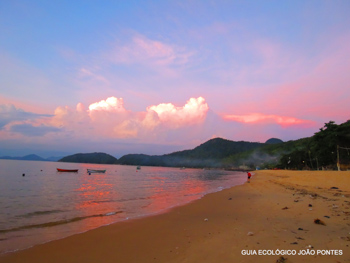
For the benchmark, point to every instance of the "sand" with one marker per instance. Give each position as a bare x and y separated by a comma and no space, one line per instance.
273,213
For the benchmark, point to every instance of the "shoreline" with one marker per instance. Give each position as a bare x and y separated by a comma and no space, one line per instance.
82,203
135,217
271,212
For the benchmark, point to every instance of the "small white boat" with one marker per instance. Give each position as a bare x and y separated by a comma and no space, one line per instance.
91,171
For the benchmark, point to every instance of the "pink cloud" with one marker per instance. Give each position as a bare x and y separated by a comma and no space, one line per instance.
193,112
109,118
86,74
321,92
110,104
147,51
290,82
262,118
109,121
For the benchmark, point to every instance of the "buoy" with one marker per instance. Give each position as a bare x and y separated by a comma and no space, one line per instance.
23,174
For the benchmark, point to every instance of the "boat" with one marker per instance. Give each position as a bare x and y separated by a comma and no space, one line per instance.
90,171
138,168
67,170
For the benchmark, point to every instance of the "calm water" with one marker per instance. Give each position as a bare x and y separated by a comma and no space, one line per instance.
46,205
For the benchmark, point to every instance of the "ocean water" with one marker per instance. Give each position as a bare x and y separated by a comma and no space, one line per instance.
46,205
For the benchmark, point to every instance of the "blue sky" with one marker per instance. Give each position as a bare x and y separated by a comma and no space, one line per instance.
168,75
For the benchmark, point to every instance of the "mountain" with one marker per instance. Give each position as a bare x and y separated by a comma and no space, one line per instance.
30,157
54,158
273,141
220,153
99,158
325,149
216,149
208,154
266,156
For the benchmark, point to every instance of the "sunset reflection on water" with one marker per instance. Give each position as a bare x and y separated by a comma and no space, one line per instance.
127,192
161,199
95,197
47,205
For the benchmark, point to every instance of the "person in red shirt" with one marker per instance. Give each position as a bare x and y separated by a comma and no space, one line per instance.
249,175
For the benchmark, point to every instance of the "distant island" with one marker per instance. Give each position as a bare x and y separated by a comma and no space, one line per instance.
99,158
327,149
31,157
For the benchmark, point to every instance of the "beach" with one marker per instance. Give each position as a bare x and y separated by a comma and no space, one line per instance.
273,217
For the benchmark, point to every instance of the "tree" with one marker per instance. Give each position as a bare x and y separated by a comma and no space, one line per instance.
324,144
321,150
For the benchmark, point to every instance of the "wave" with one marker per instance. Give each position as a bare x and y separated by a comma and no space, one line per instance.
40,213
134,199
57,223
101,201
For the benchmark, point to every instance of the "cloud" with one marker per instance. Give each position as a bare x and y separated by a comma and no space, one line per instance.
9,113
167,123
262,118
286,81
142,50
110,119
108,122
31,130
89,75
110,104
193,112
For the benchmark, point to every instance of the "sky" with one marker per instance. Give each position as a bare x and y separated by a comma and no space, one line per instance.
156,77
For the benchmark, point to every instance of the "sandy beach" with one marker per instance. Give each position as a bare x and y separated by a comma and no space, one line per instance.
278,213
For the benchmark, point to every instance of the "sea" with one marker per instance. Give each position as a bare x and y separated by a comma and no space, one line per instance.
39,204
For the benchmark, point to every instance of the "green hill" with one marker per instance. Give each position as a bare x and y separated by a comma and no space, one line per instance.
208,154
267,156
320,150
99,158
217,148
329,146
273,141
313,152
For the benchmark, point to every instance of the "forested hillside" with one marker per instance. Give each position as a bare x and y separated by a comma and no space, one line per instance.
99,158
329,146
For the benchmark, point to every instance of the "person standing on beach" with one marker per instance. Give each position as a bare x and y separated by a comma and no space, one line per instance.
249,175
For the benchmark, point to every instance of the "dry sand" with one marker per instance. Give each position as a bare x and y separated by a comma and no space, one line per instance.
276,210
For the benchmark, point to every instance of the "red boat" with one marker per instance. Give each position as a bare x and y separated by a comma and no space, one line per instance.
67,170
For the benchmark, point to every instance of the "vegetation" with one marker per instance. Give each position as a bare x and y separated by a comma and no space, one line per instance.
266,156
316,152
273,141
208,154
328,146
100,158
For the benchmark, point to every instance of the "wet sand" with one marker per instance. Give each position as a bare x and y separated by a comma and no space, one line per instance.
274,212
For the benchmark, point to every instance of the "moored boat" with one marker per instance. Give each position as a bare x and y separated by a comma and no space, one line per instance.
90,171
67,170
